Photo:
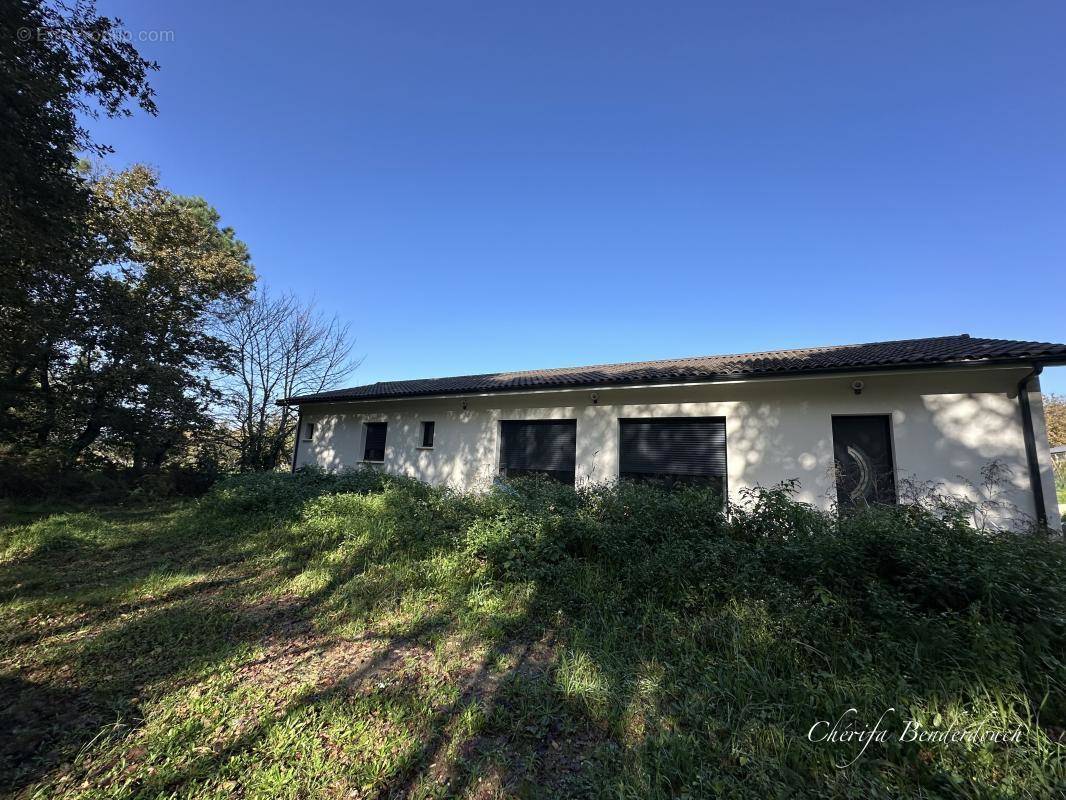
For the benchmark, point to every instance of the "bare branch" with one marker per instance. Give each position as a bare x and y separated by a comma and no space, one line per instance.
281,347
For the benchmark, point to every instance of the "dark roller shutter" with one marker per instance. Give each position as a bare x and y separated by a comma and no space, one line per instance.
679,446
543,446
375,442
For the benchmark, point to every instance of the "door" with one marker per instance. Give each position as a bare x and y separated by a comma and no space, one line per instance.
862,450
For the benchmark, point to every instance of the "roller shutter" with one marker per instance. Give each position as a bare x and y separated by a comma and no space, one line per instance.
686,449
546,447
375,441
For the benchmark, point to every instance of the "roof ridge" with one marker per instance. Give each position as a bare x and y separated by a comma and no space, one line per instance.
541,370
817,349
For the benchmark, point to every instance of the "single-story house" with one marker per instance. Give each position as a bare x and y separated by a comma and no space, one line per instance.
852,423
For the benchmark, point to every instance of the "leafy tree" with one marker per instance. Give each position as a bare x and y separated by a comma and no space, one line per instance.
57,62
281,347
139,377
127,384
1055,416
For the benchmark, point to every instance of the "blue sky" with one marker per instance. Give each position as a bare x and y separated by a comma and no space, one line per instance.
495,186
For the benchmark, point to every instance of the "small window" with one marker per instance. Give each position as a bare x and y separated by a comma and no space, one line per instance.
374,450
427,434
309,431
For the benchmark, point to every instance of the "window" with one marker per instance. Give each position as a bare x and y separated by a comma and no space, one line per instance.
674,450
427,434
374,449
862,455
309,431
543,447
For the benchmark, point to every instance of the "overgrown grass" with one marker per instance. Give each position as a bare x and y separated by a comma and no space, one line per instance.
360,636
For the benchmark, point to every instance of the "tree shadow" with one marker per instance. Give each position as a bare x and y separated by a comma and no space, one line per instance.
656,669
33,716
103,657
104,648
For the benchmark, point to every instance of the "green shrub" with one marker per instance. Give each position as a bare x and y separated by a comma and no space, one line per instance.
249,498
529,528
675,647
903,577
43,475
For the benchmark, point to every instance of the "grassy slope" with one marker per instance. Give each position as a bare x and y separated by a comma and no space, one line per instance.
308,649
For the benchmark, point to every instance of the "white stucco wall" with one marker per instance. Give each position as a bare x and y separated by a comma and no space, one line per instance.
946,426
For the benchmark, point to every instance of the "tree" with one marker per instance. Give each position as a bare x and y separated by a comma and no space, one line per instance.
58,62
281,347
1055,416
127,382
140,376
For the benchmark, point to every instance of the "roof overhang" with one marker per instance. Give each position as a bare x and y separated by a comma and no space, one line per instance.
838,372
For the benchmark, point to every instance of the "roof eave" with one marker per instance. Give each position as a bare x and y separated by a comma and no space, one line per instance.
1050,361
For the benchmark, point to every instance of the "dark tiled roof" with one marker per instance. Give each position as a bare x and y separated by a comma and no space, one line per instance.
940,351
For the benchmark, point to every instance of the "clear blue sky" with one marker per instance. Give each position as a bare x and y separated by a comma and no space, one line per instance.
494,186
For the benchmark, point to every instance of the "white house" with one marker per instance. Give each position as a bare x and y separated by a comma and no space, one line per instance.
850,422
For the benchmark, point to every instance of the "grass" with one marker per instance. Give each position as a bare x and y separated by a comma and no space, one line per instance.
298,637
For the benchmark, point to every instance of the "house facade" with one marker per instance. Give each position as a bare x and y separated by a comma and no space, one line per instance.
851,424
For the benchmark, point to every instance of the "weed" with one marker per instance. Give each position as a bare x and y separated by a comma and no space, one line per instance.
368,636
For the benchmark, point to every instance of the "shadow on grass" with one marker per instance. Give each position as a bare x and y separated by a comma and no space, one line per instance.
105,634
615,680
102,647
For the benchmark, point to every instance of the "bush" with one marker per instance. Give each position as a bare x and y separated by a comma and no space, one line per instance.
679,539
41,475
675,647
924,589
